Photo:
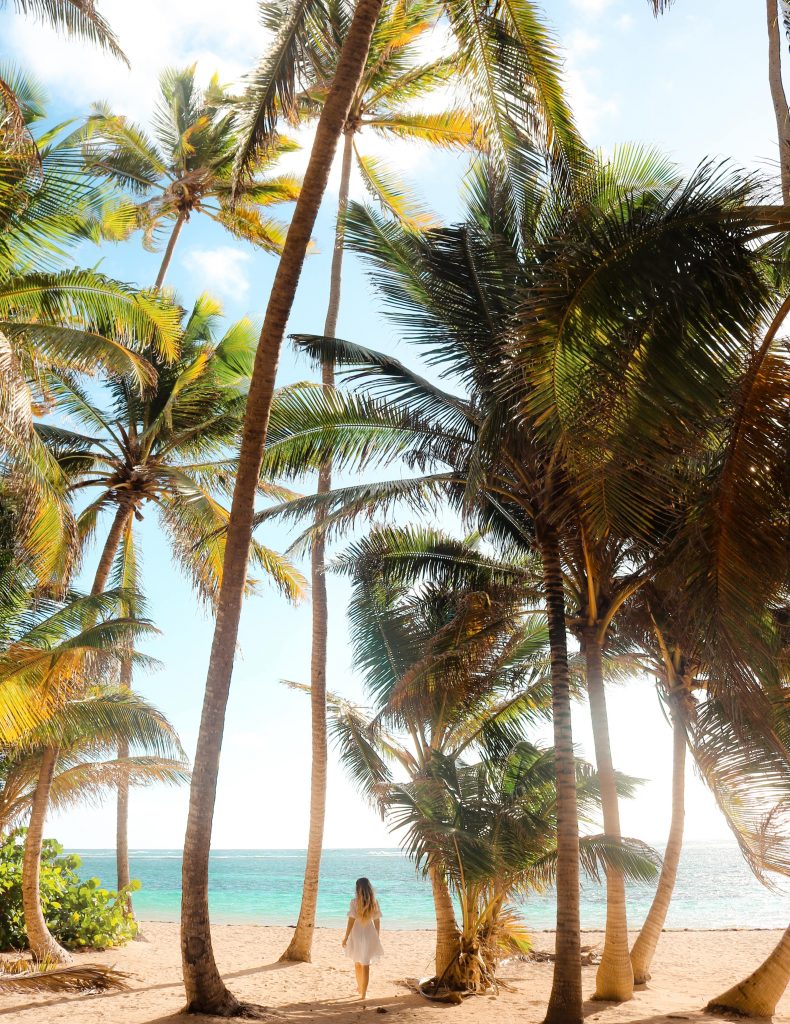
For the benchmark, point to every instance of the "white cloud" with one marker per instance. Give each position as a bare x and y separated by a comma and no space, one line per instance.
625,22
153,35
219,269
592,7
579,42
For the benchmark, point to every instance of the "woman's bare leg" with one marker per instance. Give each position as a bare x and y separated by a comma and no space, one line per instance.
365,972
358,969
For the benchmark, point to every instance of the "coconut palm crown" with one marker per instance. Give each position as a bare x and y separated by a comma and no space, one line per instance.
170,449
185,166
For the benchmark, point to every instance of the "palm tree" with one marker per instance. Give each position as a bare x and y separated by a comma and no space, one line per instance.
186,167
49,653
169,449
92,725
86,728
483,288
393,75
512,67
54,318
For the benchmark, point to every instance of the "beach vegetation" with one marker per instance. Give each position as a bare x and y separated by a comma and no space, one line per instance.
80,913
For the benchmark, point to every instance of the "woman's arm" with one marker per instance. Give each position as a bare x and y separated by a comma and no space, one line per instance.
349,926
377,923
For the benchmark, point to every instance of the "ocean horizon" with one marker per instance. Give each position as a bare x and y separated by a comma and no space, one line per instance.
714,890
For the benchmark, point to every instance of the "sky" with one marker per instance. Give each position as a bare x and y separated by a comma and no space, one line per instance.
692,83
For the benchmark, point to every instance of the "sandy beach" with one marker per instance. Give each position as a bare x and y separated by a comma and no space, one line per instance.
689,969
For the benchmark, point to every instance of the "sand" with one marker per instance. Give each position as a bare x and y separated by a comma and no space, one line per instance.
690,968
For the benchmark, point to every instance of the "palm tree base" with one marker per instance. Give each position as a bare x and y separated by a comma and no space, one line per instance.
229,1006
295,955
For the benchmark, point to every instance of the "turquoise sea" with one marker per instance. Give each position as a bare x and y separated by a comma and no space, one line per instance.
714,889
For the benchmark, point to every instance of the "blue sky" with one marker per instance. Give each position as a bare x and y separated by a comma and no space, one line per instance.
693,83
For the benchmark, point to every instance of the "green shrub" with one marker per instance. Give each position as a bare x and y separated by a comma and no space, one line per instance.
81,914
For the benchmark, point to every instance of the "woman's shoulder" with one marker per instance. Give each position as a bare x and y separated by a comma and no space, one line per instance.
352,907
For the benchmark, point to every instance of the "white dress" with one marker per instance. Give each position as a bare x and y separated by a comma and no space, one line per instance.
364,944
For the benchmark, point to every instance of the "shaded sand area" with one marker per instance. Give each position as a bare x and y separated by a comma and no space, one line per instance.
690,968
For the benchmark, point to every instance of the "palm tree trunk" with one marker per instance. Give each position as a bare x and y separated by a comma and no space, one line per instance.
448,935
205,990
615,977
122,807
759,994
646,943
778,95
171,244
42,944
565,1002
122,515
301,944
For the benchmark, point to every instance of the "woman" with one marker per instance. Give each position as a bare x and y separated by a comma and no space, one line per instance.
361,941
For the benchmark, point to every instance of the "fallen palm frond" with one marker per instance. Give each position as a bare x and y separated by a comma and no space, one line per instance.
32,977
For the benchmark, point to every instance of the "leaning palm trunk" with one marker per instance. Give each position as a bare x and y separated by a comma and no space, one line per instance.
205,989
778,96
615,977
301,944
647,941
43,945
759,994
565,1002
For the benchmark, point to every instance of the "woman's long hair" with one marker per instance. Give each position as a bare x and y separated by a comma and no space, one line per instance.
367,904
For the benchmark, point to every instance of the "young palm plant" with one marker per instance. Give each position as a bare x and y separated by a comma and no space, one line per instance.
535,465
452,663
186,167
512,68
394,78
491,829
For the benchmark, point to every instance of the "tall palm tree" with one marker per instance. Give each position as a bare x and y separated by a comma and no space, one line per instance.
185,167
170,449
86,728
524,471
510,56
394,75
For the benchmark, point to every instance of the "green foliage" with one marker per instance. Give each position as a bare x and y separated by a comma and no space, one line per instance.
80,913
